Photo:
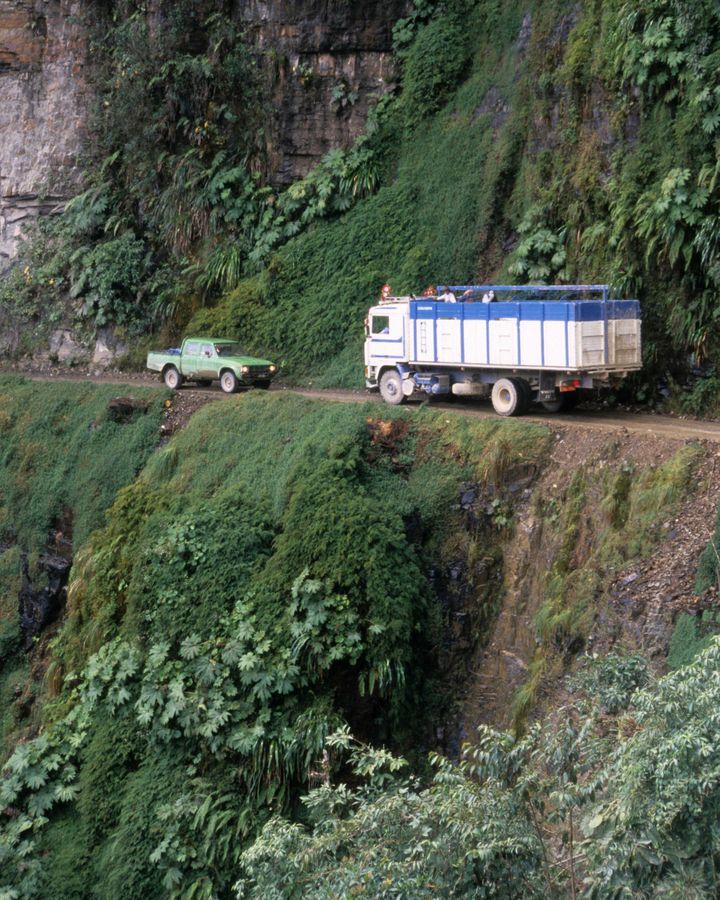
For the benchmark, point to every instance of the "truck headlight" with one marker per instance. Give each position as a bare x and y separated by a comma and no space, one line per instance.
273,368
245,370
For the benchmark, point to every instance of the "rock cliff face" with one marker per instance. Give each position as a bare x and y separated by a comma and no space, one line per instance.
323,61
43,105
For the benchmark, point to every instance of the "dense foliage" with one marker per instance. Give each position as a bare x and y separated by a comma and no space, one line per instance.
553,142
594,805
559,157
238,607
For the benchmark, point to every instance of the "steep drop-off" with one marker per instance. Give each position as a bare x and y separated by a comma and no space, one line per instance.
281,568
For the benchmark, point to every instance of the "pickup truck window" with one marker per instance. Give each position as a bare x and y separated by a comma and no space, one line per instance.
192,349
229,350
207,349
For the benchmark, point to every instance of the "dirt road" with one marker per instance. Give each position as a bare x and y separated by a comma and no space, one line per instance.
667,427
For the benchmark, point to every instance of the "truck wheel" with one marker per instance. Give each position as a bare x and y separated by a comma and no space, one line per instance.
172,378
507,397
391,387
525,393
229,382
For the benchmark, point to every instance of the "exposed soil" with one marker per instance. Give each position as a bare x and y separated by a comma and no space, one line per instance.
644,601
639,605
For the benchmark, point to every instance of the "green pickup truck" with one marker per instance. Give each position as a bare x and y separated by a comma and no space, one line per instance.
204,360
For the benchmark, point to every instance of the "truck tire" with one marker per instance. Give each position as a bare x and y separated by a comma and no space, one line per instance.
525,394
229,382
507,397
172,378
391,387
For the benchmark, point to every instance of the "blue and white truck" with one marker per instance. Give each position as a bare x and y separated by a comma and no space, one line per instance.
517,343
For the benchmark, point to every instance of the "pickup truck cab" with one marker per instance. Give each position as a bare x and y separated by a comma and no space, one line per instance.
204,360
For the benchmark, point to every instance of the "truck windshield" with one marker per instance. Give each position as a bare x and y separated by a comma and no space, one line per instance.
229,350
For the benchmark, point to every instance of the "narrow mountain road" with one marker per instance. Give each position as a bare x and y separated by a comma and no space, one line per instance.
660,426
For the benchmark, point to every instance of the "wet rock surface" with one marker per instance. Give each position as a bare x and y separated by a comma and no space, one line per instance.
323,64
38,607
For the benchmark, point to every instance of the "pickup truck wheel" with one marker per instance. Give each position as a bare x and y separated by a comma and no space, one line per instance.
229,382
391,387
507,397
172,378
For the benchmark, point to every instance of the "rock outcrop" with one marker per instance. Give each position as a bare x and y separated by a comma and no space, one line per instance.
38,607
324,63
43,109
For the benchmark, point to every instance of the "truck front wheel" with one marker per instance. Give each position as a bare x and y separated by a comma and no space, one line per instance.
391,387
229,382
172,378
507,397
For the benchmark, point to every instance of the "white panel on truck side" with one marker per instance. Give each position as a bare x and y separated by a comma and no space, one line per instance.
555,345
475,342
448,340
530,342
624,341
588,344
503,342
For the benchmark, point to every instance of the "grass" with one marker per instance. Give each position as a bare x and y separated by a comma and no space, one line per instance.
62,460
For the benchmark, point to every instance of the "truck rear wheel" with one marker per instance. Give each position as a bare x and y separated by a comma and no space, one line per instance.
391,387
172,378
525,395
229,382
507,397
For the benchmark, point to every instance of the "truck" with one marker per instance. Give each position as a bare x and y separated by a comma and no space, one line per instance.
204,360
517,343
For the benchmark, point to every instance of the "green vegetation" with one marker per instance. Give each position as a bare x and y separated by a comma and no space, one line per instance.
62,459
552,142
227,618
618,797
257,618
61,448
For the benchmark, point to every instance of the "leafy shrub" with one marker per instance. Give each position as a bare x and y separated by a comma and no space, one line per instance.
613,680
223,623
433,65
686,642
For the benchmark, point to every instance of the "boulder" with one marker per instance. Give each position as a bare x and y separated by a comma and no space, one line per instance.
65,348
108,346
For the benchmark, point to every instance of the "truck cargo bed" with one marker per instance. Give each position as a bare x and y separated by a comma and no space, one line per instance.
572,335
